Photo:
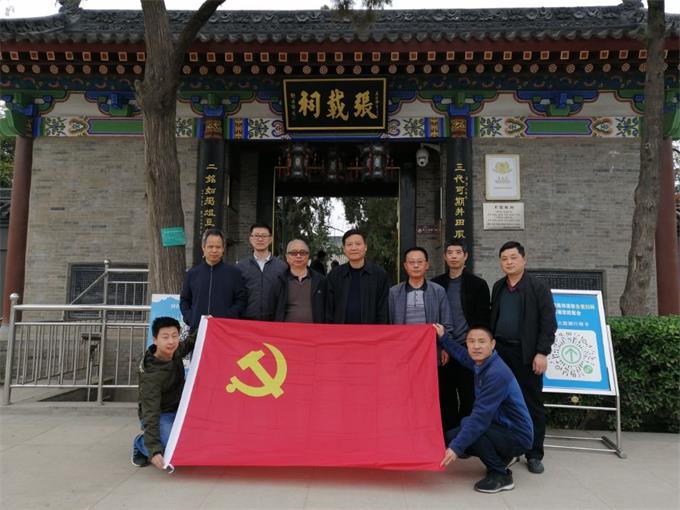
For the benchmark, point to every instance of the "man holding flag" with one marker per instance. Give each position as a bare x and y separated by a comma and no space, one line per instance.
499,427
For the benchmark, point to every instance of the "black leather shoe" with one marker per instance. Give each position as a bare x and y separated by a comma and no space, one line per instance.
535,466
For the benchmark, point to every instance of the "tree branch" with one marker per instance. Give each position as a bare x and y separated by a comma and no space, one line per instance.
200,17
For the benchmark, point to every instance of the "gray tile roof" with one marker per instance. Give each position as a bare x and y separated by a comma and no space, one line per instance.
624,21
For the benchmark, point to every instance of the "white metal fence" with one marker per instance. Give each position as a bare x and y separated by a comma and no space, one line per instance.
95,354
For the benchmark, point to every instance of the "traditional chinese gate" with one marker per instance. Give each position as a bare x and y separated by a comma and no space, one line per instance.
344,169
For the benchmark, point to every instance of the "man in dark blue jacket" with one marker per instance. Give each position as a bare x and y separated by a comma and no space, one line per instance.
212,287
499,427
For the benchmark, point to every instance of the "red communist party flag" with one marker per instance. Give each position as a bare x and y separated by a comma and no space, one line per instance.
284,394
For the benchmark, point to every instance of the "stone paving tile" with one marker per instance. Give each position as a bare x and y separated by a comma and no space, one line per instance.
259,488
81,460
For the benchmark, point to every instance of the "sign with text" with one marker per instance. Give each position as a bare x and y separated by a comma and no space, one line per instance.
581,360
356,104
458,194
503,215
210,190
172,236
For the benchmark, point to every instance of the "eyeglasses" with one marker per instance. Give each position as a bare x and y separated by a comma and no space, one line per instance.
260,236
300,253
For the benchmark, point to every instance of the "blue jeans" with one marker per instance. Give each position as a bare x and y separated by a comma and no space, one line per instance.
495,448
166,421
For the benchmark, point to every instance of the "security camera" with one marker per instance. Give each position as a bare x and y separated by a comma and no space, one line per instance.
422,157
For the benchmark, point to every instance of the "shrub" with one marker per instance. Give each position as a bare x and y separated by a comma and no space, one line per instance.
647,354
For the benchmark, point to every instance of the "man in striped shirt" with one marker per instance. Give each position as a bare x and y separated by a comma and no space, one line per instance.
419,301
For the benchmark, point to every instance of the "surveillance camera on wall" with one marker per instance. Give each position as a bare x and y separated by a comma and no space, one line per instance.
422,157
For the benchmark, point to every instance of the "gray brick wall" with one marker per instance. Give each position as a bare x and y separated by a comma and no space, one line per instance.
87,204
428,181
578,204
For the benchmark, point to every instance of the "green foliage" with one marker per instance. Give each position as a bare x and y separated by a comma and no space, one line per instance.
647,353
6,162
303,218
377,219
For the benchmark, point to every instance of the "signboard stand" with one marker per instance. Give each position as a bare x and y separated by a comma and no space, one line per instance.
610,446
582,363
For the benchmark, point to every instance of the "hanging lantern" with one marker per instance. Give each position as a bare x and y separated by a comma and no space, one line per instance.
335,168
298,162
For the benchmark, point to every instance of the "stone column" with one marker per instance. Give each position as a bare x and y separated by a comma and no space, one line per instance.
18,223
458,193
667,263
210,183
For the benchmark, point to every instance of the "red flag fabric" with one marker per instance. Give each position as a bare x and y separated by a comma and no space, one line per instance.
283,394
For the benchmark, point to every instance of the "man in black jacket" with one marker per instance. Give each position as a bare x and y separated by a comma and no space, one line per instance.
357,290
302,295
524,325
161,381
212,287
468,297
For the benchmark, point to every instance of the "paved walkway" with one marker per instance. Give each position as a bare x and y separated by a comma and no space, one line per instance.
77,458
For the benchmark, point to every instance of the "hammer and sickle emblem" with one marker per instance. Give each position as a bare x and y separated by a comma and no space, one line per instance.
270,385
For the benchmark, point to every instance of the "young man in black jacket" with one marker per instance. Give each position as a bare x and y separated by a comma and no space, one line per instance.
357,290
212,287
161,381
524,325
468,297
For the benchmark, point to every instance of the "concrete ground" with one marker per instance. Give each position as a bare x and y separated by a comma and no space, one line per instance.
67,457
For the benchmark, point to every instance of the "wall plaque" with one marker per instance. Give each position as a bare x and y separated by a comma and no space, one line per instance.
356,104
503,215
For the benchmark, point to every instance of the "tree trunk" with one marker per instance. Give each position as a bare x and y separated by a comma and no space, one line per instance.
157,97
640,256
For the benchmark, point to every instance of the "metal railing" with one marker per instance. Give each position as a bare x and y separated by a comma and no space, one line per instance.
94,354
114,291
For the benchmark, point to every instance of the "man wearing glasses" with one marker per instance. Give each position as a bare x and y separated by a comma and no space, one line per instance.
303,291
261,272
418,301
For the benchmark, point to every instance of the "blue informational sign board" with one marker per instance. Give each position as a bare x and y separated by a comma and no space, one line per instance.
164,305
582,358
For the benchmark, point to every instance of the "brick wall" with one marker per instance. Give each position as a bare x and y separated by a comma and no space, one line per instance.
578,205
88,204
428,182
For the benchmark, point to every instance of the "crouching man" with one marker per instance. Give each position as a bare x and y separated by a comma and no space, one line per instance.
161,380
499,427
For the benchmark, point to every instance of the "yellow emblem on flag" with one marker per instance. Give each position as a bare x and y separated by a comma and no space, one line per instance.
270,385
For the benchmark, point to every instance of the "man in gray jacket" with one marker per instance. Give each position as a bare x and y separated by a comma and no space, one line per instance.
418,301
261,272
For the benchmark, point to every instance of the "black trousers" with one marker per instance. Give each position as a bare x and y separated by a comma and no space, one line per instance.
456,393
495,448
532,390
